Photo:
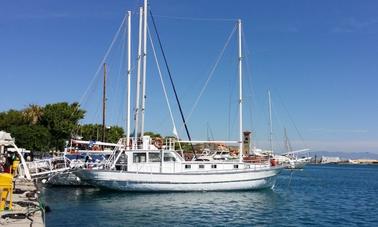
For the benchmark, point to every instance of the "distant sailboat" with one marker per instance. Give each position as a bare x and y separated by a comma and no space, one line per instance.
292,158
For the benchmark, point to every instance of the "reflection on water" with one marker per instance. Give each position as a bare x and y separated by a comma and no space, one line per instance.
159,208
315,196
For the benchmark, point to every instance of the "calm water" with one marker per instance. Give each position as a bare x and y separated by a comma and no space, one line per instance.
317,196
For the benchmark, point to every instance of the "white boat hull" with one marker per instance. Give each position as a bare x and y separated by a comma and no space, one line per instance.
65,179
298,163
150,182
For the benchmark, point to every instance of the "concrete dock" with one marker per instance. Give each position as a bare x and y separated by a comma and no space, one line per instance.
27,211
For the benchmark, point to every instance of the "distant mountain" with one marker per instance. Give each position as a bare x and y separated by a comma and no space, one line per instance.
345,155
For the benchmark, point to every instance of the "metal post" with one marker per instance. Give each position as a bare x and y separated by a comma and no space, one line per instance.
128,78
240,95
144,64
136,115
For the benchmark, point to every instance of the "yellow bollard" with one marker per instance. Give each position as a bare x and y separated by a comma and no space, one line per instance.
6,189
15,166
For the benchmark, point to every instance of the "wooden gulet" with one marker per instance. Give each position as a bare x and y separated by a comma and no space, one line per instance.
149,166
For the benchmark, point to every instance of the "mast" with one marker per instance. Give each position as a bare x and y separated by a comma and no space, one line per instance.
144,65
128,78
240,95
103,106
136,114
287,142
270,123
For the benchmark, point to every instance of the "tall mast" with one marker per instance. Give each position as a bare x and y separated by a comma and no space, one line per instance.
144,65
136,114
240,95
128,77
270,123
103,105
287,142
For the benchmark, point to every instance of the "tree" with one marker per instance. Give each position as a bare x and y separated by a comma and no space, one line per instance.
113,134
90,131
153,135
33,114
61,119
11,118
93,132
31,137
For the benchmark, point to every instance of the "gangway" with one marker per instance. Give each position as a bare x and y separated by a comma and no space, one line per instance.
46,167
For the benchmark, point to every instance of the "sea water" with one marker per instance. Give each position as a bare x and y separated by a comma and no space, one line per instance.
319,195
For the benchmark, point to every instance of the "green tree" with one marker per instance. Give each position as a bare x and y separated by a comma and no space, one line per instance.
31,137
93,132
153,135
90,131
33,114
113,134
11,118
61,119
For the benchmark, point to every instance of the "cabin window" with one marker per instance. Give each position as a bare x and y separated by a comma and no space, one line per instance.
188,166
213,166
139,157
201,166
169,157
154,157
236,166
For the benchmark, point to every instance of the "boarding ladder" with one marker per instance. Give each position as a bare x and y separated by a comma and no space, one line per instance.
46,167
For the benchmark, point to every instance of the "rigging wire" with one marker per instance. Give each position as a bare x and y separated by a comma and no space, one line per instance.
275,113
162,82
290,118
121,92
278,95
220,56
249,78
173,85
198,19
104,58
250,84
95,76
164,90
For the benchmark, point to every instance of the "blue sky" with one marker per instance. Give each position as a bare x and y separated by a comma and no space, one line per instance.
317,57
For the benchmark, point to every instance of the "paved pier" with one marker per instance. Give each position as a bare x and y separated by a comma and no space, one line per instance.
25,206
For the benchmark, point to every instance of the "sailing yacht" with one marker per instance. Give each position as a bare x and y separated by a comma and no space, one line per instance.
295,162
146,166
291,158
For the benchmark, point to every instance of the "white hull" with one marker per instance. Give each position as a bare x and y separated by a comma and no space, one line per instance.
205,181
65,179
298,163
